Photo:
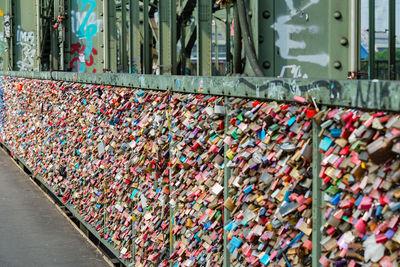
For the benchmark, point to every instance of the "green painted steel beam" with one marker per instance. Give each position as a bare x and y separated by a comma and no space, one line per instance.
263,19
216,43
107,64
124,54
5,39
204,37
55,47
354,36
82,35
25,35
364,94
39,35
109,36
228,23
135,39
167,37
147,42
392,40
371,45
338,39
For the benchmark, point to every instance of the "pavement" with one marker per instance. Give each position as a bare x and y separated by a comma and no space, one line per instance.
33,232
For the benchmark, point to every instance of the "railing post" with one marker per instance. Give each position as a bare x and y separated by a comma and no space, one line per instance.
227,174
171,188
317,199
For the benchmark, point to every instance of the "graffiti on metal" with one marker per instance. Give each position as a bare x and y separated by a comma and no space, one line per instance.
3,49
286,28
85,27
78,51
370,94
26,40
294,71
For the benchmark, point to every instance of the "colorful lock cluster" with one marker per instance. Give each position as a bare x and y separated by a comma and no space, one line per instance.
270,153
168,178
360,172
104,151
197,131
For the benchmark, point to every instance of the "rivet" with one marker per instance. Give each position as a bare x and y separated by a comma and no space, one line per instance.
337,64
344,41
250,13
266,64
337,14
266,14
260,39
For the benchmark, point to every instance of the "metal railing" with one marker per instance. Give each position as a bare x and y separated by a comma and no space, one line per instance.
371,95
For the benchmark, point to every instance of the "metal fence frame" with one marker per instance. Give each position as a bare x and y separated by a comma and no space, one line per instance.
365,94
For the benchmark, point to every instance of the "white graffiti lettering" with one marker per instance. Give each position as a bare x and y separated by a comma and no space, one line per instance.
27,42
77,18
285,40
294,72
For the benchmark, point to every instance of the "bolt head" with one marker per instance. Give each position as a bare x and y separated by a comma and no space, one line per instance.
266,14
337,14
337,64
344,41
266,64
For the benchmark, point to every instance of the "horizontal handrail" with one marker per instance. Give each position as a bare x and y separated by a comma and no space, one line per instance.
365,94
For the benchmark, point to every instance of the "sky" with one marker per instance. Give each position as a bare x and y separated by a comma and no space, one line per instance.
381,15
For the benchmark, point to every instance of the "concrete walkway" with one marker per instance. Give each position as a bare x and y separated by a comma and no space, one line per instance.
32,231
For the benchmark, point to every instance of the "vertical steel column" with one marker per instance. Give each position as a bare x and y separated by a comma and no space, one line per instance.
135,58
392,39
106,38
266,36
228,23
62,36
216,47
148,62
167,36
112,35
110,40
24,28
183,44
237,42
371,45
124,57
354,55
8,36
54,57
38,34
204,34
317,199
338,33
227,175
